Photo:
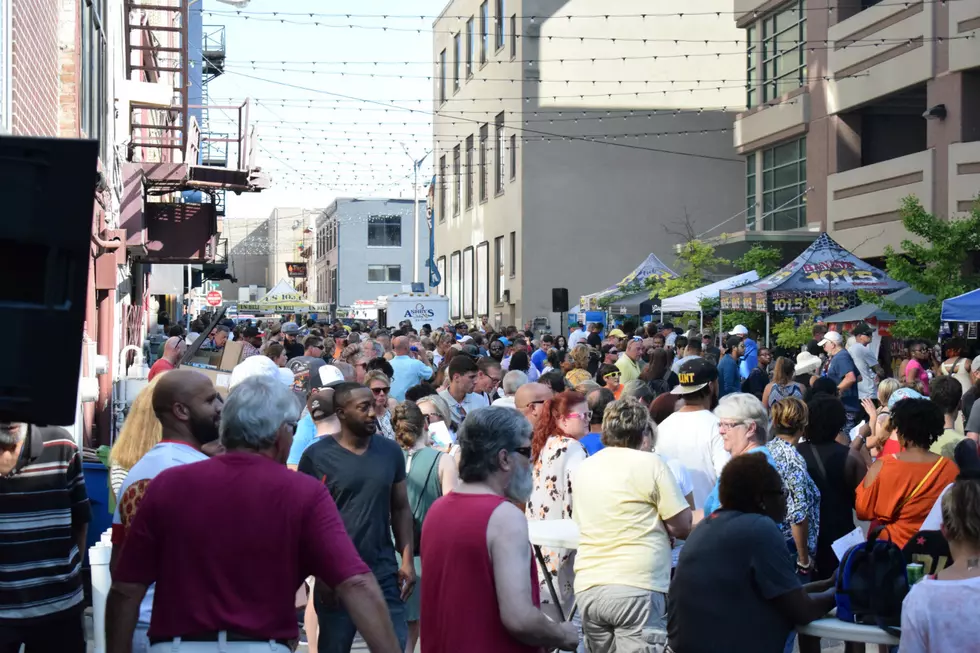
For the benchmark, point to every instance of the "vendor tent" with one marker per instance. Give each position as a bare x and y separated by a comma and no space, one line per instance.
873,313
283,298
962,308
824,272
635,304
631,283
691,301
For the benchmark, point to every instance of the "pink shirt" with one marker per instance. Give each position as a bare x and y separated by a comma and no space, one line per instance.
920,374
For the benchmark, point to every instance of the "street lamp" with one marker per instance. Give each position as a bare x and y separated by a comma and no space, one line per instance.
416,164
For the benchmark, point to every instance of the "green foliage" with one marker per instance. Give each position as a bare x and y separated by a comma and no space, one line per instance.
932,264
762,259
694,261
787,334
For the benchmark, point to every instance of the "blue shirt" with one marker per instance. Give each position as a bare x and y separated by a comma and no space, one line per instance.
840,365
538,359
592,443
711,502
304,437
728,377
408,372
750,360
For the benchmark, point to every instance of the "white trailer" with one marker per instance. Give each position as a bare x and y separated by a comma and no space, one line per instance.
419,308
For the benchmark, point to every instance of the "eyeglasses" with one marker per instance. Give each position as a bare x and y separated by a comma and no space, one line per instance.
585,417
728,425
380,391
524,451
432,417
611,375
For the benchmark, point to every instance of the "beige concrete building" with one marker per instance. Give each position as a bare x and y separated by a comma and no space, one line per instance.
851,107
566,141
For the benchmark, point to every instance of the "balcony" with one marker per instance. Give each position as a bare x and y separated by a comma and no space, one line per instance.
964,177
770,123
964,20
863,203
863,72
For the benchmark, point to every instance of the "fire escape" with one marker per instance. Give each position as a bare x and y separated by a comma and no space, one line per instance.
165,156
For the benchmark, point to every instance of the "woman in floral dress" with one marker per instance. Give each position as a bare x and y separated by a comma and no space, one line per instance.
555,454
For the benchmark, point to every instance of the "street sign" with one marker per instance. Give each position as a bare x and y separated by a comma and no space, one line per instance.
214,298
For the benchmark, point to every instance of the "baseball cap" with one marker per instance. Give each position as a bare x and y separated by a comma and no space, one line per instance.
320,403
290,328
694,375
831,336
330,375
903,393
616,333
862,329
258,366
739,330
504,341
611,349
250,332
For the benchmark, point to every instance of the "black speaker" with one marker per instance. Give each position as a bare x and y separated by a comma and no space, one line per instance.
47,190
559,300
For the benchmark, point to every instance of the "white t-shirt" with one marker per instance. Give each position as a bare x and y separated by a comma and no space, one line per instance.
692,439
576,337
683,478
864,361
937,615
935,518
505,401
163,456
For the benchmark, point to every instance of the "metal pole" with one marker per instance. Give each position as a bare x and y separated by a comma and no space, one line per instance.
767,328
415,188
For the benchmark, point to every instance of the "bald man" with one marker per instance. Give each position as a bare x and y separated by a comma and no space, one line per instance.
173,350
189,409
408,367
530,397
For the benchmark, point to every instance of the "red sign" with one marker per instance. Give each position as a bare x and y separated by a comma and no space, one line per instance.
214,298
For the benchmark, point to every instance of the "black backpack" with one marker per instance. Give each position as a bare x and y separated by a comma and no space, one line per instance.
872,583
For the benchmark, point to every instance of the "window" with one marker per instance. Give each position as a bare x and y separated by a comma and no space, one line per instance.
454,294
499,19
469,172
470,48
784,186
484,32
750,177
482,280
783,51
513,37
498,147
484,169
513,254
457,62
385,231
441,266
94,106
384,273
442,77
442,188
500,282
751,68
456,180
468,282
334,297
513,156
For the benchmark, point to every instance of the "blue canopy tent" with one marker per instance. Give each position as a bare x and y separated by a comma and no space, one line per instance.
824,272
962,308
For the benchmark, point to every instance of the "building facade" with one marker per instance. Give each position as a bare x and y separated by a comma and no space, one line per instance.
560,132
364,249
851,107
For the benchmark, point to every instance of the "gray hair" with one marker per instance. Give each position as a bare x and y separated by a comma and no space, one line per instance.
441,407
221,328
637,389
745,408
10,436
625,422
255,410
483,434
512,381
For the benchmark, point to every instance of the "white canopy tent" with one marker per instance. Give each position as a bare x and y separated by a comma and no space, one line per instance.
691,301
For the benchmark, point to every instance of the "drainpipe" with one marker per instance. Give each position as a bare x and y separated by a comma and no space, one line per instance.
108,245
107,311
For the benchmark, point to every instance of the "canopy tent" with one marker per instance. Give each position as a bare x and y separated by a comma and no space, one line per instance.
650,267
283,298
875,314
691,301
824,272
635,304
962,308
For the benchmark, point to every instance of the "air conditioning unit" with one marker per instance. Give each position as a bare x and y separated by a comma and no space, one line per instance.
505,297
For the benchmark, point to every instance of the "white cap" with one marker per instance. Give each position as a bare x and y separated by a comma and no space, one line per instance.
256,366
831,336
739,330
330,375
286,376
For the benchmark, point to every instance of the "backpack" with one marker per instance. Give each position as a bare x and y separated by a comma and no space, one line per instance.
872,583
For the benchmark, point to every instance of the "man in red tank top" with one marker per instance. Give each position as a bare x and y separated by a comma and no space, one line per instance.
481,588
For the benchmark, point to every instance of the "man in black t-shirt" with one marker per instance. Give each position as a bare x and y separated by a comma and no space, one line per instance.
365,474
594,339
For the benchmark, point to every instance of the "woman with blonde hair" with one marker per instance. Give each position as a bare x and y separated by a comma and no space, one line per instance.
429,474
380,386
879,426
578,358
140,432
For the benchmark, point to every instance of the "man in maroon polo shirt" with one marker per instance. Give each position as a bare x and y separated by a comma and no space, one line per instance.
228,540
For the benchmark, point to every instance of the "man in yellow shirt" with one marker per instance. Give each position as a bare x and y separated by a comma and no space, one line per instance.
627,506
628,367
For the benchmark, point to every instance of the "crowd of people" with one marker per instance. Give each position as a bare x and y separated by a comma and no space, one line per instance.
708,479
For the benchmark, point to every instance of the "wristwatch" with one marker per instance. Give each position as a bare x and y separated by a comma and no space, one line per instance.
806,567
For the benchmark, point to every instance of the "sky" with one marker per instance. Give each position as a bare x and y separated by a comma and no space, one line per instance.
337,145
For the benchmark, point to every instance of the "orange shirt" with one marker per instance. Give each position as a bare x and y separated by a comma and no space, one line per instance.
895,482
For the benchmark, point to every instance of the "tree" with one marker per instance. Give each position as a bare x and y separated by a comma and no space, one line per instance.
764,260
932,264
695,260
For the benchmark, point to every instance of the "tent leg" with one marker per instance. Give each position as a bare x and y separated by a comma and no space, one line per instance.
767,328
702,321
721,325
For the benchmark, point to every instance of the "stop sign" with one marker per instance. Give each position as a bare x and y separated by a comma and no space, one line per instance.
214,298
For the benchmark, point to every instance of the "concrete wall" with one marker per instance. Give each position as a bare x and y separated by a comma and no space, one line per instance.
285,234
248,253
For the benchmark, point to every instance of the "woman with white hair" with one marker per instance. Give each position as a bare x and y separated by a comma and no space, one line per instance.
511,382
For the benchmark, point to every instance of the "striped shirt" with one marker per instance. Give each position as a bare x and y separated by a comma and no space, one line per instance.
42,502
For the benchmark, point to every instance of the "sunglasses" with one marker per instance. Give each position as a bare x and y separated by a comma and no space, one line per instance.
524,451
586,416
380,391
432,417
611,375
